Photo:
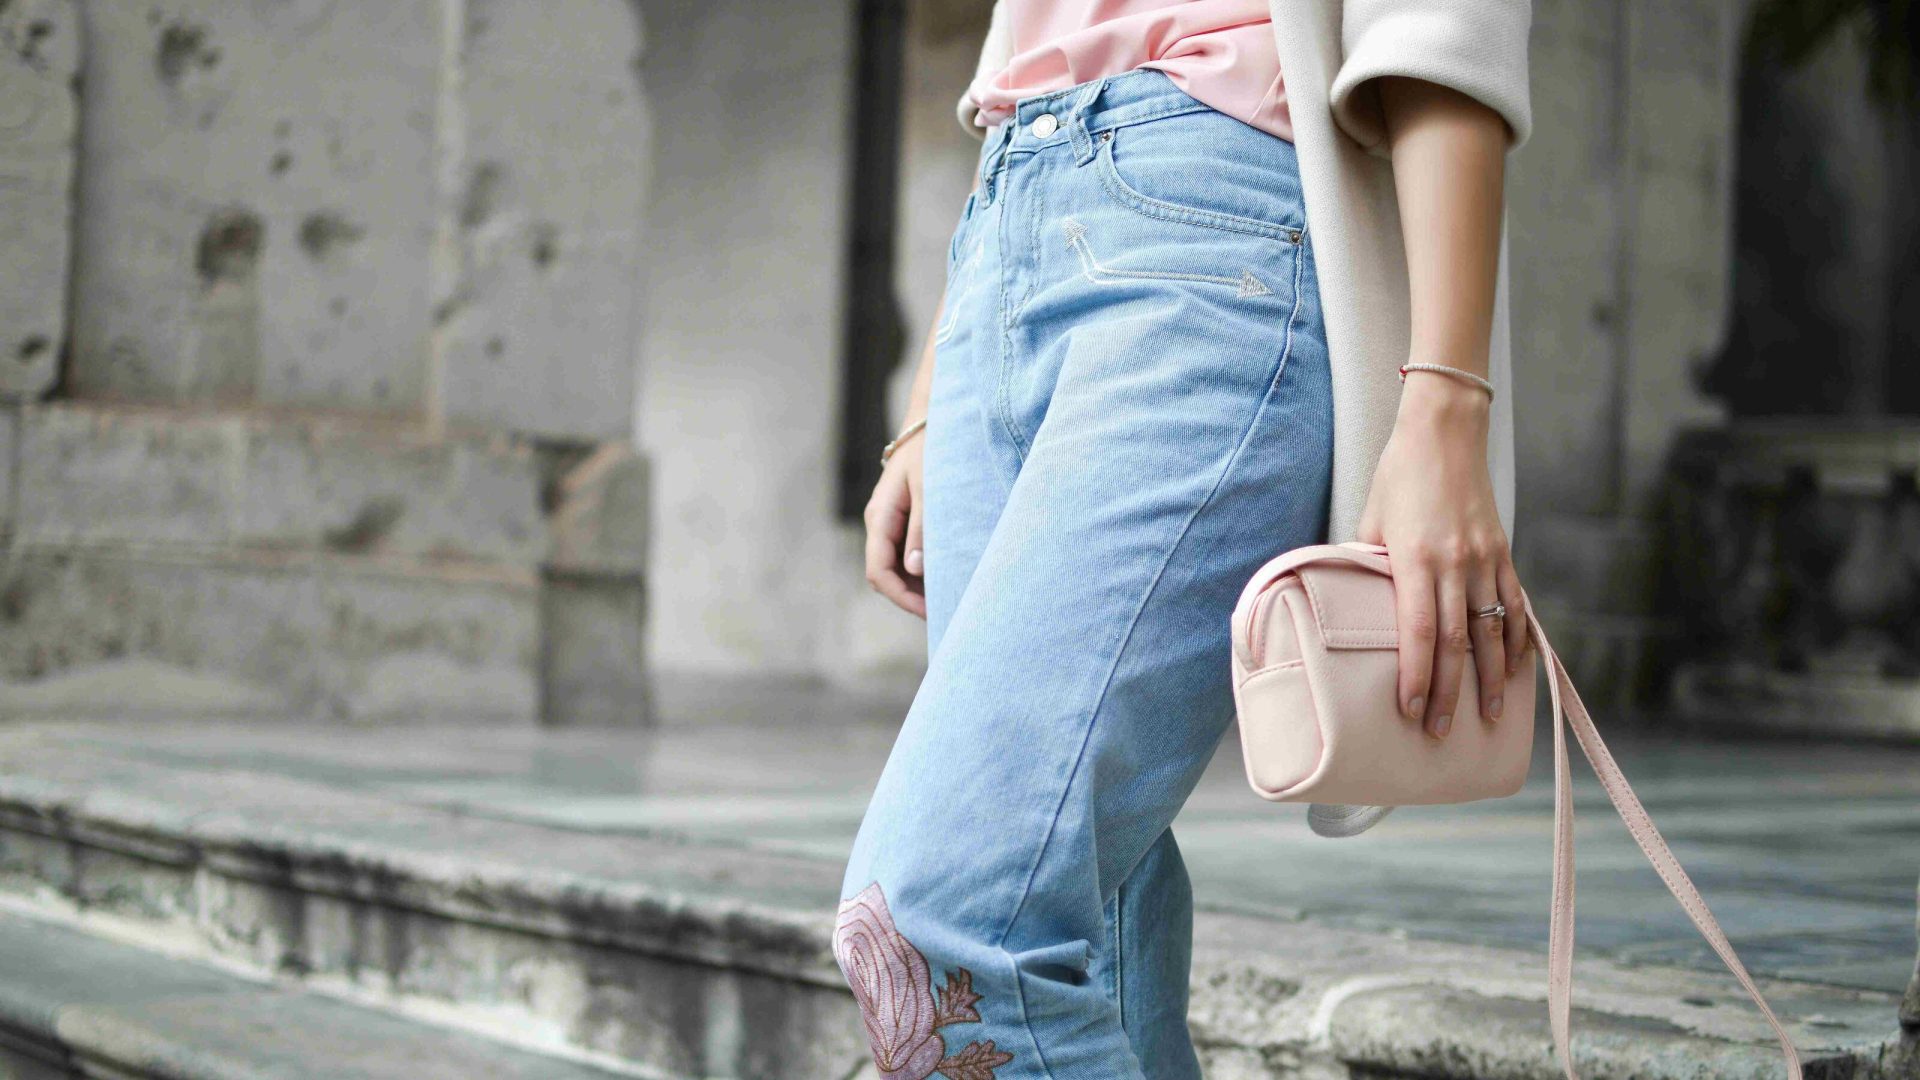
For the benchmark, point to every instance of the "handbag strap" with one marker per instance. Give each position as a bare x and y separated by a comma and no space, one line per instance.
1567,706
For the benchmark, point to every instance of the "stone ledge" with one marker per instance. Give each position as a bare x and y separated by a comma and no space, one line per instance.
72,1005
1338,1000
714,961
697,961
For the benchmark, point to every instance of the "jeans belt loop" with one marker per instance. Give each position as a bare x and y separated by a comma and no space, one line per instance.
1077,134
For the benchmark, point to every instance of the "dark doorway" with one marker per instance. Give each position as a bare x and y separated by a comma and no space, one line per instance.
872,329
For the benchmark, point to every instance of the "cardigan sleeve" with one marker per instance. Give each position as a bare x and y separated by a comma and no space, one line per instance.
1478,47
995,52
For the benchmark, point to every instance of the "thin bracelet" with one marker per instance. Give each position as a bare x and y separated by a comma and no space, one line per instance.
906,433
1458,373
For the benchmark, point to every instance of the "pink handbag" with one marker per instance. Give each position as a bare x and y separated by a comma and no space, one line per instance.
1315,672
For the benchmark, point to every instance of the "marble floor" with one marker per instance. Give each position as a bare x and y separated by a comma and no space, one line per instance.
1807,852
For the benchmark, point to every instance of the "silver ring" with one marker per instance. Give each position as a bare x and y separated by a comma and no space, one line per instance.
1494,610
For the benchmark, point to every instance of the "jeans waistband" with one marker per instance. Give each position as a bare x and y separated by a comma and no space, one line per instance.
1080,113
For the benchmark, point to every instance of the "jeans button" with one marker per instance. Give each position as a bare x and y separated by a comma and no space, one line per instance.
1045,125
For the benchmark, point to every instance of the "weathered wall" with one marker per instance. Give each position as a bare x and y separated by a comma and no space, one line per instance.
420,207
550,176
39,113
317,335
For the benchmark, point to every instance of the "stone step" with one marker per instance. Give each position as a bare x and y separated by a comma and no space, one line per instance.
713,960
76,1005
696,961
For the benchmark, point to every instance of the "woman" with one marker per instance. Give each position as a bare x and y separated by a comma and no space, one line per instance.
1203,237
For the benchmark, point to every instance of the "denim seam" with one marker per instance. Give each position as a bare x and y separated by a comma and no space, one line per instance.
1106,685
1034,106
1095,128
1002,395
1120,951
1022,445
1096,272
1091,130
1286,348
1116,118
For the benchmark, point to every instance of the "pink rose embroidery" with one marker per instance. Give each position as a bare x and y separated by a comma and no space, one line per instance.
894,989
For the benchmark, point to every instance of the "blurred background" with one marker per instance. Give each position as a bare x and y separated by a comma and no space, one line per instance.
433,639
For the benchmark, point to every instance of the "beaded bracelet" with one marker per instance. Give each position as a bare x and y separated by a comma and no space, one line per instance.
905,434
1458,373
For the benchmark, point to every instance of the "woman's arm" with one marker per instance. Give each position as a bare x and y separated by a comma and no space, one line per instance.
1432,501
896,562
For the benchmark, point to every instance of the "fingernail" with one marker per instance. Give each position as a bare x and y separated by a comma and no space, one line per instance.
1416,707
914,561
1493,708
1442,726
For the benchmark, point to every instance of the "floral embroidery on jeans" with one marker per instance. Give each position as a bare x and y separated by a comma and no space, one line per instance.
894,988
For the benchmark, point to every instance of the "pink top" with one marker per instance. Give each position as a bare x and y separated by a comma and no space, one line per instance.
1219,51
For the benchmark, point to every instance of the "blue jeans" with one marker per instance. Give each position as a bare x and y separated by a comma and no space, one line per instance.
1130,412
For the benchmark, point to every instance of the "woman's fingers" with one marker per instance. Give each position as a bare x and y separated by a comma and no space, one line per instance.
1414,615
1449,648
886,521
1488,634
914,557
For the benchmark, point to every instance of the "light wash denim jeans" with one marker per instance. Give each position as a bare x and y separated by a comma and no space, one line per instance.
1130,412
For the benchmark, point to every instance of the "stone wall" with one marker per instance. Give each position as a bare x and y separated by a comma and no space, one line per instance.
317,351
1620,215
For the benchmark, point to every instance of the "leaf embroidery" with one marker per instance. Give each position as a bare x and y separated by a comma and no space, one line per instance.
976,1062
956,1000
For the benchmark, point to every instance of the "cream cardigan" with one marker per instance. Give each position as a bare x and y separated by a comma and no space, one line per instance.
1329,49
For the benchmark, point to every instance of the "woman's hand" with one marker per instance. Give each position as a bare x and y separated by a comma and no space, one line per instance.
1432,507
895,560
1431,503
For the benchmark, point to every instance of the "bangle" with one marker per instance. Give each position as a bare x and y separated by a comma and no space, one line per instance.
1458,373
906,433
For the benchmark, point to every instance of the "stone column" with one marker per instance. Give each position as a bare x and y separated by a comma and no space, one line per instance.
339,423
1619,217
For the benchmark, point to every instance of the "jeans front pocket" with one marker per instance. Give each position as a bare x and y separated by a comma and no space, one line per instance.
1205,168
1245,283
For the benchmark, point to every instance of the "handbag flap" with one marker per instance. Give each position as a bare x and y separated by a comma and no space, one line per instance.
1352,604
